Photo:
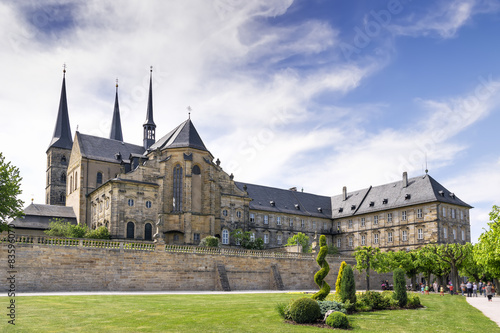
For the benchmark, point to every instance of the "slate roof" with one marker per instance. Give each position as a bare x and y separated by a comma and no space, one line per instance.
149,113
422,189
183,136
285,201
102,149
62,131
39,216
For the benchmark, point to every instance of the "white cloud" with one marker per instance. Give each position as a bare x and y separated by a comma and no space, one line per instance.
444,19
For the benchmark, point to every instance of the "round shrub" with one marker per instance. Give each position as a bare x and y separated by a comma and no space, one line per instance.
413,301
338,320
305,310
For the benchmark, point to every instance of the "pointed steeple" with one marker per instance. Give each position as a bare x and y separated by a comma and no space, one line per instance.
149,125
62,132
116,124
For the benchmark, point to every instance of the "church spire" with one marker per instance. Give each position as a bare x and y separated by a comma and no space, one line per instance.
116,125
149,125
62,131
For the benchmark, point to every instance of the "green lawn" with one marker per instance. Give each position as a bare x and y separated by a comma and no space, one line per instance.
223,313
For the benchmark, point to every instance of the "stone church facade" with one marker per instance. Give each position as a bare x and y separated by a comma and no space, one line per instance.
171,189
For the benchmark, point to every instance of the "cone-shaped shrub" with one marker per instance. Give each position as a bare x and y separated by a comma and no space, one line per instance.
348,286
400,287
339,277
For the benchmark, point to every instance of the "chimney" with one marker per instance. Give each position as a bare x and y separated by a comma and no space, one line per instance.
344,193
405,179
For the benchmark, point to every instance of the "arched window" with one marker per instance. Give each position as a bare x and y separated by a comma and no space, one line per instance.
63,177
76,180
130,230
148,232
63,159
196,170
177,200
62,198
99,178
225,236
70,184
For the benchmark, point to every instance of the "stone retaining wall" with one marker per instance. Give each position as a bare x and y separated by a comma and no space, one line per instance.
57,264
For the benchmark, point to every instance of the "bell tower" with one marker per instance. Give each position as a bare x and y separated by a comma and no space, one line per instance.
149,125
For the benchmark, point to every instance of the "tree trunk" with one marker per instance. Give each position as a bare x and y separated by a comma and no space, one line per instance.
368,274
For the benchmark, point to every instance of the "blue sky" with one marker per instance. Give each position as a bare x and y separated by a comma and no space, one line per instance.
315,94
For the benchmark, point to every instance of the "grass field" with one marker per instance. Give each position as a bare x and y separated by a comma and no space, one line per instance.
223,313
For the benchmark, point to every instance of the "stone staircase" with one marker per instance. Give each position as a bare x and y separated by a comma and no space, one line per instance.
278,283
224,281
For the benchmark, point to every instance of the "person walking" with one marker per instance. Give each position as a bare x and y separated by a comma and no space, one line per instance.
462,287
469,289
441,290
474,289
451,288
435,287
480,287
489,291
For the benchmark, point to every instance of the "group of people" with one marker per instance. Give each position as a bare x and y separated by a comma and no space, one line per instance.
469,288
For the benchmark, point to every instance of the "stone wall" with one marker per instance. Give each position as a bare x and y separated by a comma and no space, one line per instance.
51,264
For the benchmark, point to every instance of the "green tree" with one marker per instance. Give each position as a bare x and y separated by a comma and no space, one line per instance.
389,261
487,251
10,187
428,262
301,239
400,287
454,254
210,241
348,286
245,240
100,233
366,259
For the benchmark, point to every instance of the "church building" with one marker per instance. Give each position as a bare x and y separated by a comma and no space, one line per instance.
171,189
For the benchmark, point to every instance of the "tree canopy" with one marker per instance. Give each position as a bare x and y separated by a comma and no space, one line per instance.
487,250
10,182
366,259
301,239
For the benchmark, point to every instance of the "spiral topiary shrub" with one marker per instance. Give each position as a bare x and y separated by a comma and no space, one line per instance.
305,310
320,276
338,320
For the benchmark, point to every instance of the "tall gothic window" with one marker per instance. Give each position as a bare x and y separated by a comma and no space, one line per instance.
63,160
99,178
63,177
130,230
148,232
177,201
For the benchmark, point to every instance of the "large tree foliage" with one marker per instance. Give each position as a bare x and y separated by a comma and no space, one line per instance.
301,239
245,240
454,254
487,251
389,261
10,182
366,259
62,228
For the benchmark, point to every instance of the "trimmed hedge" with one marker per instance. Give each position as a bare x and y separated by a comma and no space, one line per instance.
400,287
305,310
338,320
348,286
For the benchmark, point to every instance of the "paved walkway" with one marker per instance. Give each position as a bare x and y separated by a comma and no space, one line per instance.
490,309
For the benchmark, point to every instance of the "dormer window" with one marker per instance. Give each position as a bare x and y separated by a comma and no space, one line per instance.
272,203
341,210
452,195
353,207
407,196
297,206
372,203
441,193
385,201
320,210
